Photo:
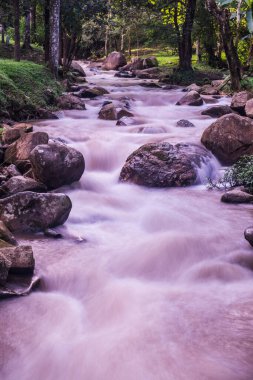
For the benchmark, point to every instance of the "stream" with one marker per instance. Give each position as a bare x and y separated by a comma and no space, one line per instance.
147,284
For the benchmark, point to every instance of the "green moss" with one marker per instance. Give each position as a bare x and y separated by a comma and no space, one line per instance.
23,84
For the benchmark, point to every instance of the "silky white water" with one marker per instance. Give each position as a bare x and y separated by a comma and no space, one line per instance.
147,284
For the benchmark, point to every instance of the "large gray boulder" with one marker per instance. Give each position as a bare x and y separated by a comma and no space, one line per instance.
108,112
248,234
21,149
31,212
114,61
5,265
229,138
165,165
56,164
191,98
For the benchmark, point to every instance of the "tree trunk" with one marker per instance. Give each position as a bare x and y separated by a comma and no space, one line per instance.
222,16
3,34
17,32
250,57
185,45
27,38
54,36
47,30
34,21
198,51
122,40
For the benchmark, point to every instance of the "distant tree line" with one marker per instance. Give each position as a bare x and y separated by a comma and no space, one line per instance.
85,28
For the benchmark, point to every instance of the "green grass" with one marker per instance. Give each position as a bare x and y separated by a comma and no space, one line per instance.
23,84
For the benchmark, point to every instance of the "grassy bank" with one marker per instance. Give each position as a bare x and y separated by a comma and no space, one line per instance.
24,86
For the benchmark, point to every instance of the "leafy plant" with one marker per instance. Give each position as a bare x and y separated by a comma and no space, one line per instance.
240,174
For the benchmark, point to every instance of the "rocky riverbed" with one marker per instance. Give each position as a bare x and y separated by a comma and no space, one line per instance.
150,282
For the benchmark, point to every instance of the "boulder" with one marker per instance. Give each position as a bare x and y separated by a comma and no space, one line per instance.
248,234
249,108
193,87
19,184
164,165
237,196
19,286
46,114
217,83
31,212
209,99
125,121
229,138
150,62
123,112
192,98
70,102
209,90
56,164
78,68
21,258
6,235
114,61
91,93
124,74
239,101
108,112
21,149
151,73
218,111
5,265
185,124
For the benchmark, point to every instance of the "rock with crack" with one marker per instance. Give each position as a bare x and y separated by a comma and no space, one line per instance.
20,184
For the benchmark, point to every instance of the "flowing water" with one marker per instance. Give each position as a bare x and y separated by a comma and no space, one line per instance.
148,284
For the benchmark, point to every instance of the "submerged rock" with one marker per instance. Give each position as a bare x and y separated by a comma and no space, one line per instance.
185,124
229,138
56,164
165,165
191,98
6,235
31,212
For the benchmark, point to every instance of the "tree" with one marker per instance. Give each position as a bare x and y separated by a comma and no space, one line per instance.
54,36
223,16
27,14
16,6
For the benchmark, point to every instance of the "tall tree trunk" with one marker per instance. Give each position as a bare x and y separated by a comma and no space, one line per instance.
27,37
122,40
54,36
222,16
198,51
47,30
185,47
34,21
3,34
17,32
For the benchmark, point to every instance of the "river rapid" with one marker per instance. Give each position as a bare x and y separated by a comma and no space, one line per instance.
148,284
